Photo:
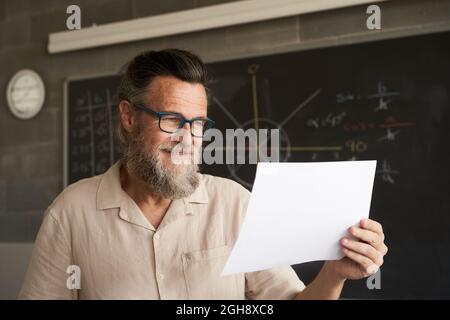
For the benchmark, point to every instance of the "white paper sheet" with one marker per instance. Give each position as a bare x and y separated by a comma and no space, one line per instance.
298,212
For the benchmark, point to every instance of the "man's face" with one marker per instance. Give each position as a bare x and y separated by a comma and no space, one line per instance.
168,94
149,155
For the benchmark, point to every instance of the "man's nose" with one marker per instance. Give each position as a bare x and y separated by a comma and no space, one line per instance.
185,134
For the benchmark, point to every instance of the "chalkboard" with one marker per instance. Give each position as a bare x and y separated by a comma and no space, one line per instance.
386,100
90,119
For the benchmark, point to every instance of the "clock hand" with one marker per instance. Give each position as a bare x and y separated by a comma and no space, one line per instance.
26,93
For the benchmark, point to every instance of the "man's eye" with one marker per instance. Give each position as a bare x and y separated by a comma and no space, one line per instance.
172,119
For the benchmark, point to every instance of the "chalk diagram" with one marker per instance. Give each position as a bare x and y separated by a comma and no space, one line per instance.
258,122
355,147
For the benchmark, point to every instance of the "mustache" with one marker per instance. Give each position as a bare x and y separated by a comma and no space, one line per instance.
184,151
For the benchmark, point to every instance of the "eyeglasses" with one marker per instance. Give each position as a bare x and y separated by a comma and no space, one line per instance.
170,122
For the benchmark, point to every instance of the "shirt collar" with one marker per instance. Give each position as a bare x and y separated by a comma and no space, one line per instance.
200,194
110,192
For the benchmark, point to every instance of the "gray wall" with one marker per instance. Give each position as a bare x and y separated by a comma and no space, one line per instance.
31,150
14,262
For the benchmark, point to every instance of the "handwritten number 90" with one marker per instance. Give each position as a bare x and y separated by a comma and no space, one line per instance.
356,146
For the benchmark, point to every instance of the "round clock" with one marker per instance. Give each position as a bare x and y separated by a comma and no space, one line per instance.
25,94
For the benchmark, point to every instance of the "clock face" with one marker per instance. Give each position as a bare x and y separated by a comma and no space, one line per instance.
25,94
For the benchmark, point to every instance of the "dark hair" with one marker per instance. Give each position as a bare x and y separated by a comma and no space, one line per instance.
140,71
148,65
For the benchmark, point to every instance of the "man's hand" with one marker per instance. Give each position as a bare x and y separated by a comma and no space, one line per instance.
363,256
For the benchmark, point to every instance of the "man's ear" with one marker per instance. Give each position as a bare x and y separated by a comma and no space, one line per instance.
127,116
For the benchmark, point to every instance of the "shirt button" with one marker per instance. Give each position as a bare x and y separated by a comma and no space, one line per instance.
161,276
156,236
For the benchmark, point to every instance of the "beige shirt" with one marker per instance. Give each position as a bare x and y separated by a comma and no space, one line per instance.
95,225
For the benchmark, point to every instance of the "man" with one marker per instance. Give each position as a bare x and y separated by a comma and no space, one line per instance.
152,228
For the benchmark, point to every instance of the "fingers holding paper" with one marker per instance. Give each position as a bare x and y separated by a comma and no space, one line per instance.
364,251
368,250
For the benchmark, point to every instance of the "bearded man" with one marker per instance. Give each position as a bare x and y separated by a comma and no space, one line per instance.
155,228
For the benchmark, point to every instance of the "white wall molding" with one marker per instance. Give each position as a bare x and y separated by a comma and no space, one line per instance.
204,18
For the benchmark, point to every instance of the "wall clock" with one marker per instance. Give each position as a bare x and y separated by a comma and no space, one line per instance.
25,94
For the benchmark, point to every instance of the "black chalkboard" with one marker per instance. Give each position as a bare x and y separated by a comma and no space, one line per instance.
90,119
386,100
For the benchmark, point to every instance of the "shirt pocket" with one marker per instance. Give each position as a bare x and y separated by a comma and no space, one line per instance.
202,271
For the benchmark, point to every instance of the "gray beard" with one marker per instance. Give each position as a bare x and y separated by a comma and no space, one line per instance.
160,180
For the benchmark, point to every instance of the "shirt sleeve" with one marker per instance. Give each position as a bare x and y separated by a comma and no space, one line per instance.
46,277
281,283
